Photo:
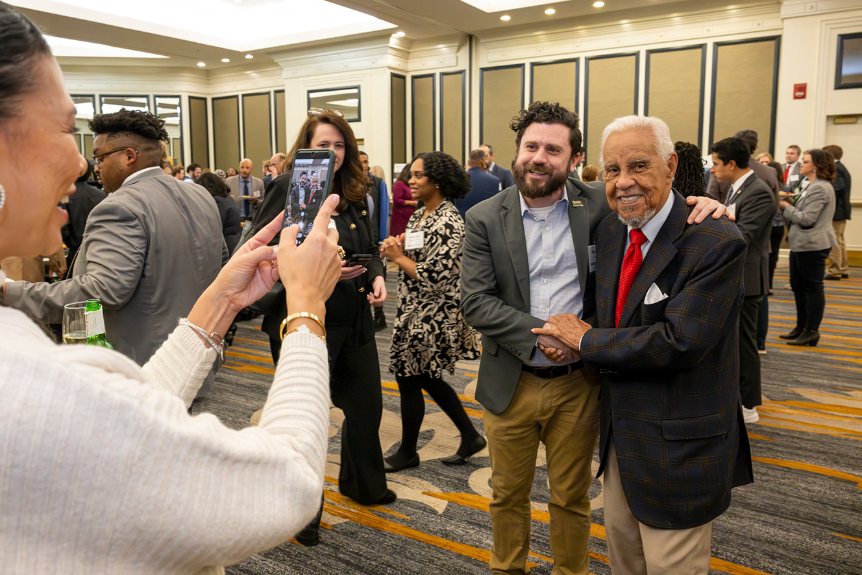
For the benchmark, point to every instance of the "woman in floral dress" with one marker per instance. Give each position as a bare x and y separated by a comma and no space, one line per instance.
430,333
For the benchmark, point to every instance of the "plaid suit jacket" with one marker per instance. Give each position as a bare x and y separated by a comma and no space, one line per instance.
670,384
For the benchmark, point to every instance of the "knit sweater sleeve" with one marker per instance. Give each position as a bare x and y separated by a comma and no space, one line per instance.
180,365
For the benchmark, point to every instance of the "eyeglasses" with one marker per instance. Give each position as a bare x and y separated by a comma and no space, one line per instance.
98,159
320,111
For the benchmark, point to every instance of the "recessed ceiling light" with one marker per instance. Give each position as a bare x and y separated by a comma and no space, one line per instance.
598,4
249,56
505,18
202,63
398,35
225,59
550,11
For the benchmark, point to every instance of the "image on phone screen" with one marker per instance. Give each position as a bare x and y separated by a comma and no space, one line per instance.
310,184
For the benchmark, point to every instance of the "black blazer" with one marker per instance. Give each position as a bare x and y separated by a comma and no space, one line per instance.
755,209
495,282
504,175
842,193
81,203
230,221
670,384
348,305
482,187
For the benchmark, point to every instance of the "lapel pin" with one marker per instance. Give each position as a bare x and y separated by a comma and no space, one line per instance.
577,204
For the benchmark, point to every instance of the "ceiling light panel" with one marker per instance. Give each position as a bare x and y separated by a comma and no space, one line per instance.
491,6
217,25
63,47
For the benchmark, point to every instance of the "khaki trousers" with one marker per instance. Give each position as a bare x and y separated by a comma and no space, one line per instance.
838,262
562,413
638,549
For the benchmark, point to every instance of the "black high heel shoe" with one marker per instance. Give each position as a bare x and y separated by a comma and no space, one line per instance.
397,461
310,534
794,333
466,452
807,337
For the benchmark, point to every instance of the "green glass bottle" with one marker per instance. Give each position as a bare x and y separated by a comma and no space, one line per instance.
96,324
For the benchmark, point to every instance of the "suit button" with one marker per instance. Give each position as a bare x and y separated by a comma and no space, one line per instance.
364,212
361,290
352,226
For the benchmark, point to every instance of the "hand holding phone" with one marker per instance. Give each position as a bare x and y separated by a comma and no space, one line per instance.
359,260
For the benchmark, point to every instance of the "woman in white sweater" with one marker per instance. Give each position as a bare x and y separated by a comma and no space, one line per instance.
102,469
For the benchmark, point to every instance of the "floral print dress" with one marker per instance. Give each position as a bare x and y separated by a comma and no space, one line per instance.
430,333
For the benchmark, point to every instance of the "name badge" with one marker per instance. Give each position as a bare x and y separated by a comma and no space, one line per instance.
794,178
414,240
731,210
592,251
256,193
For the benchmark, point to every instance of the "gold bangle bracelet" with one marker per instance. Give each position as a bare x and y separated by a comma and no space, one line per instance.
302,314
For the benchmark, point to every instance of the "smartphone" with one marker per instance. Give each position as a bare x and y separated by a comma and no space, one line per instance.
359,260
311,176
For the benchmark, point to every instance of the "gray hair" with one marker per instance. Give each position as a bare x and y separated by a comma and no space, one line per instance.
660,132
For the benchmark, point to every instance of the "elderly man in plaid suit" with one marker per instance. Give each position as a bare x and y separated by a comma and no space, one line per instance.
668,295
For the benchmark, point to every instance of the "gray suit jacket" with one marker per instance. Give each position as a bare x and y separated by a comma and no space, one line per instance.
811,219
257,185
502,174
718,190
495,283
149,251
755,208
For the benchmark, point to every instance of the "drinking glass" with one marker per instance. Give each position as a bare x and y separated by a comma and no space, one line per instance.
75,323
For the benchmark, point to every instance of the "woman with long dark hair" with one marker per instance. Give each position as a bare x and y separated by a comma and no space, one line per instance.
688,179
403,203
354,369
430,333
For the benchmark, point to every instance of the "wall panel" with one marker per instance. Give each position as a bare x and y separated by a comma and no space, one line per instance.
501,97
226,132
555,82
424,114
256,132
612,92
280,123
745,81
674,82
452,114
198,131
398,110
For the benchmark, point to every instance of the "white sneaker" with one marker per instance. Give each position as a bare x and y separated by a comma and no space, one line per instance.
750,415
761,351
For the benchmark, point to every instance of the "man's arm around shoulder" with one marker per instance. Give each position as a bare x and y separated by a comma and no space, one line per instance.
480,293
115,247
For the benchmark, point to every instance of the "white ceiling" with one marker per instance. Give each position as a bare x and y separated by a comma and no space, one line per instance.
190,31
66,48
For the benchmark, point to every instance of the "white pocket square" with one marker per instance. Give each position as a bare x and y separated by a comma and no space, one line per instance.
654,295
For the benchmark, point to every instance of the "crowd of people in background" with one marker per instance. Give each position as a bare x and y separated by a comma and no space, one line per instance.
480,251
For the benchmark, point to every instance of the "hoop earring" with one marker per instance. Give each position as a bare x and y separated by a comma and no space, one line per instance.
2,197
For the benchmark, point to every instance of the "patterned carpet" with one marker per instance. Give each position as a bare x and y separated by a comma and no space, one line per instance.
802,516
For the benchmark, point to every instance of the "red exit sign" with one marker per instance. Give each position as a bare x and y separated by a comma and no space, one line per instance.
799,91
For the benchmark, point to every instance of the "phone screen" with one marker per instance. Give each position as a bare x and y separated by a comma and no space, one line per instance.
310,183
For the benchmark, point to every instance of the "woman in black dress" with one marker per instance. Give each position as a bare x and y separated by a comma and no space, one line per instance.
227,209
430,333
355,382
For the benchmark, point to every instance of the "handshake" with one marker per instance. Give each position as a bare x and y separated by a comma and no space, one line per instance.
560,337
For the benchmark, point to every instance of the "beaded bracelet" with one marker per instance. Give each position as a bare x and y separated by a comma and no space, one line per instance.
306,315
214,339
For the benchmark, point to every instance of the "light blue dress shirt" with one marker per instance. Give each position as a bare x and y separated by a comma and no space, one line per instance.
554,285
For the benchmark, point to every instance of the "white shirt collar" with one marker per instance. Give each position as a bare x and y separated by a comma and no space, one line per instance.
525,207
138,173
738,183
652,227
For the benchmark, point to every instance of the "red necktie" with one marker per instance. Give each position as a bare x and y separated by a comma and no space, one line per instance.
786,172
631,264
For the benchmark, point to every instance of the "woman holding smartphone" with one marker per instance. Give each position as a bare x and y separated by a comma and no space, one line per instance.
353,361
430,333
